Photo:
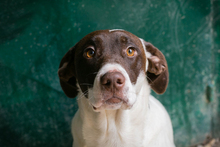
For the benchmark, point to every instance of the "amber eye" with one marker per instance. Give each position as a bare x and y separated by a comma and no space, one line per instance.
130,52
90,53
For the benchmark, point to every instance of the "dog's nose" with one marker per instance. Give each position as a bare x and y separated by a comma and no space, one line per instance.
113,80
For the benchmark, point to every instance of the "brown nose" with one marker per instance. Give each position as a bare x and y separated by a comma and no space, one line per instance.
113,80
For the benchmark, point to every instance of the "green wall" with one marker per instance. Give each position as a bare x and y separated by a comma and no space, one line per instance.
34,36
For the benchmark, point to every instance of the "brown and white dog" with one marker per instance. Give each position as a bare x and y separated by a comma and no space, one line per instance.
111,72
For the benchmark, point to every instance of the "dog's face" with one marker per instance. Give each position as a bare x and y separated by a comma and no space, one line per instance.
109,66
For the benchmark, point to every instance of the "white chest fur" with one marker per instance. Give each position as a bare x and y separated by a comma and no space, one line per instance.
145,124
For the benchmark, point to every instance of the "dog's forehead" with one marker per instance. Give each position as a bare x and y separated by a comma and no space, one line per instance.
109,47
111,36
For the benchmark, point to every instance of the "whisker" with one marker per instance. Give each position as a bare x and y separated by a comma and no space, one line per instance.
83,94
149,79
94,73
85,84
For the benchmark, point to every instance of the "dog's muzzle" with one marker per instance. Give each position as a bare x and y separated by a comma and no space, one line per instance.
112,89
112,84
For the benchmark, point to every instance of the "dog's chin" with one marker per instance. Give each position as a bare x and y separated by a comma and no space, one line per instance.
111,104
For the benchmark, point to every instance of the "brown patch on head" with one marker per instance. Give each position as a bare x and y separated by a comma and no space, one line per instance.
119,47
109,47
123,39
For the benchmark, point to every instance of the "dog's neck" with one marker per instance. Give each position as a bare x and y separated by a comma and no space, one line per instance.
115,123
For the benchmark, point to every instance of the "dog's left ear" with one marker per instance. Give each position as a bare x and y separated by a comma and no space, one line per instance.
66,74
157,72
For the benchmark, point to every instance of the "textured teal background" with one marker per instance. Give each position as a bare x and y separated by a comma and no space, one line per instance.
34,36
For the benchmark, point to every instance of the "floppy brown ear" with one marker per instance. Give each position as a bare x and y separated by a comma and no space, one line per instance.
66,74
157,72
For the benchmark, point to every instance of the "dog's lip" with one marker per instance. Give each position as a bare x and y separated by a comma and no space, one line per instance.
94,107
111,101
114,100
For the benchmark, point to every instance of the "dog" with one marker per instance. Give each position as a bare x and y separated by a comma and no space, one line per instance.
112,72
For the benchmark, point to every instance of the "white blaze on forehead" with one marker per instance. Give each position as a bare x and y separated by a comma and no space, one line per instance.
113,67
147,54
116,30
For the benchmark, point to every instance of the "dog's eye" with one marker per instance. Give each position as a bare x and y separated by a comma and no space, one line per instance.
89,53
130,52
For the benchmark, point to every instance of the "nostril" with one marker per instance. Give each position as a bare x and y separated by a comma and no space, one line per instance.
119,81
108,82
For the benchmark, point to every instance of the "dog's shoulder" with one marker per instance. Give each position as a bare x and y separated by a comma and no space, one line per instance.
158,122
157,112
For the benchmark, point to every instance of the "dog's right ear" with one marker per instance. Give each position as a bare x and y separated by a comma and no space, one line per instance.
66,74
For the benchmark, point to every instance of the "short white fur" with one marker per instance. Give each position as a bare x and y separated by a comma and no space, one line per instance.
116,30
147,54
145,124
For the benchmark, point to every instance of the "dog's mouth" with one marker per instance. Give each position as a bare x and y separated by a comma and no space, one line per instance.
112,102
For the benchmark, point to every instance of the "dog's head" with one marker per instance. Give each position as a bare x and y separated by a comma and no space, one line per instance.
108,67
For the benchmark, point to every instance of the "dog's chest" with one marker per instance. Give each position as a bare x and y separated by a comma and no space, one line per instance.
114,129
